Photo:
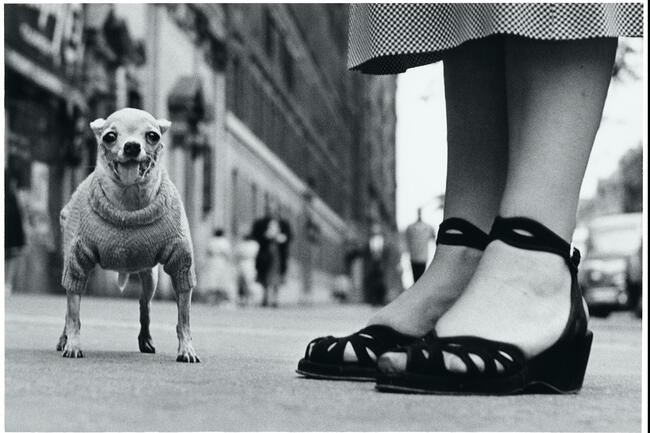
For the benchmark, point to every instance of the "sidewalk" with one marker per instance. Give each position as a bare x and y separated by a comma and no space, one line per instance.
246,379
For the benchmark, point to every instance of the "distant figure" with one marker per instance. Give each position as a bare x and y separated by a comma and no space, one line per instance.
284,243
418,236
218,280
375,274
273,236
245,253
14,233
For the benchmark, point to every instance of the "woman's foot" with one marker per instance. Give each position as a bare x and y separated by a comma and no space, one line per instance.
413,314
416,310
515,296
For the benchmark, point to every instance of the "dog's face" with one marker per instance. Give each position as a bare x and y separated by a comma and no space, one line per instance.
130,141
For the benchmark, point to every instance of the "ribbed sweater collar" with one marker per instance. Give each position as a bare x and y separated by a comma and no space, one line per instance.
106,210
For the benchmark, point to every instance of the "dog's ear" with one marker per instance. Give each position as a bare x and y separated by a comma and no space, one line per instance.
97,126
163,124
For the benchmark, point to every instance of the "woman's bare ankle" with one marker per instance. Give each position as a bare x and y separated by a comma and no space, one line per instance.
416,310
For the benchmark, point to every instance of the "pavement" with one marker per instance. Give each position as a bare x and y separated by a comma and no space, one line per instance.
246,379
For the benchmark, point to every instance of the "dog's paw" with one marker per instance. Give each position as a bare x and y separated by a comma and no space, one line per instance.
61,344
187,354
146,345
72,350
73,353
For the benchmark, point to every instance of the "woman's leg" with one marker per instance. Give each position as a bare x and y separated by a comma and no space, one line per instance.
556,92
476,165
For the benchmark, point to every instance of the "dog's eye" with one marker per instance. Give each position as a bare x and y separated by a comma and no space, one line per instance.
152,136
109,138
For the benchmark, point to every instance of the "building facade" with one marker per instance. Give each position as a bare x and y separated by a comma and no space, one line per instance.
43,103
265,115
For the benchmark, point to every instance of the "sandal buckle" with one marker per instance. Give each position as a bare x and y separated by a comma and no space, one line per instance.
575,257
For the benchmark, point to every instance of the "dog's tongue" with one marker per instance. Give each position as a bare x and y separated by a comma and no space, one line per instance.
129,172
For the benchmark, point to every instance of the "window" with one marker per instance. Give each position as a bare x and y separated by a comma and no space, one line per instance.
134,99
254,207
287,63
207,181
234,208
269,34
237,87
257,122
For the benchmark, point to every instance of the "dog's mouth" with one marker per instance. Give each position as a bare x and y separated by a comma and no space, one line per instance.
132,171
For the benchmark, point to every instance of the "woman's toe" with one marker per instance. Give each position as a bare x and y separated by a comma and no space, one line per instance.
392,362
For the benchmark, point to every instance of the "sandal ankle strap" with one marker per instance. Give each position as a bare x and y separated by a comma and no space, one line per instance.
525,233
457,231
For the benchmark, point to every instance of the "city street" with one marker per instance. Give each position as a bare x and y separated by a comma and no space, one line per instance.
246,379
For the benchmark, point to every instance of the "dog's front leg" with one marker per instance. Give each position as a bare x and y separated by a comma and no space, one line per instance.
148,279
186,352
72,348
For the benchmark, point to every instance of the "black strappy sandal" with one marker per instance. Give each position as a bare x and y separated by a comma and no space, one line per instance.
559,369
324,356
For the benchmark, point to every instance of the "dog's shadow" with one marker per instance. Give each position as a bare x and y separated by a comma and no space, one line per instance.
90,357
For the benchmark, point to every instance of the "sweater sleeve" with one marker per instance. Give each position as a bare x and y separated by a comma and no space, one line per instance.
78,263
179,264
177,256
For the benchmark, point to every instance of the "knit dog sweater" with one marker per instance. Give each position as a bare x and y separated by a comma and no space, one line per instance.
95,232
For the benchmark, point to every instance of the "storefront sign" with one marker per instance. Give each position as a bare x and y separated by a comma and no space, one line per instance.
49,34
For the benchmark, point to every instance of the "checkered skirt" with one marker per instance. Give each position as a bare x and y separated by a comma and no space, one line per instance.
389,38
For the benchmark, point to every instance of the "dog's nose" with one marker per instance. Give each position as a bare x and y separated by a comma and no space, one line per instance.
132,148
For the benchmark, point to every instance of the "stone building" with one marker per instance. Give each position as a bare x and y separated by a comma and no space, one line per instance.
264,114
288,86
43,103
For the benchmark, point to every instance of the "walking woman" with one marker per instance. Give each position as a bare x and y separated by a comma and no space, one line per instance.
499,308
15,240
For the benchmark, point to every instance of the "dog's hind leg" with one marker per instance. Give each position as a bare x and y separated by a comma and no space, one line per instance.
149,279
71,333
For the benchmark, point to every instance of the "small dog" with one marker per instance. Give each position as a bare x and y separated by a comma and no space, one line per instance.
127,216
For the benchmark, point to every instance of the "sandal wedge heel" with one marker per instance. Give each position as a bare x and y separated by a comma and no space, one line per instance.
504,369
560,371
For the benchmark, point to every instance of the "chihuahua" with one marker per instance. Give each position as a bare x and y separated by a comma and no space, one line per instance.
127,216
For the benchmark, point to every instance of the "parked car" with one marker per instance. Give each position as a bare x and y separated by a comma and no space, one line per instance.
612,246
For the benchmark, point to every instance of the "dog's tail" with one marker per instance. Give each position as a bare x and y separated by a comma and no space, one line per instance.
122,280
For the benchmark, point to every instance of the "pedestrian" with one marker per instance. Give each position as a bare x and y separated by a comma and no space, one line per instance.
375,278
499,306
418,235
14,232
245,253
285,243
273,237
218,277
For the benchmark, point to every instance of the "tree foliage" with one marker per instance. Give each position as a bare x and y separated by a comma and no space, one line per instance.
626,63
630,168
